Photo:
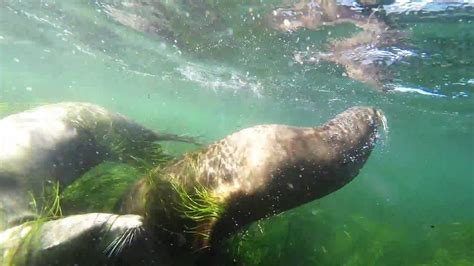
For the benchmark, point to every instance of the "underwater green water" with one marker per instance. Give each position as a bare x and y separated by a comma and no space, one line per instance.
412,203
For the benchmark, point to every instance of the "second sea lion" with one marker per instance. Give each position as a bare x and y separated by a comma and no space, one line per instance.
58,143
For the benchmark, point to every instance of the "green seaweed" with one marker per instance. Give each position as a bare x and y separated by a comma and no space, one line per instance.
48,205
179,203
349,240
200,206
100,189
140,152
152,155
19,249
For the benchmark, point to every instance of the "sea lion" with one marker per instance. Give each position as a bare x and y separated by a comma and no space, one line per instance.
254,173
58,143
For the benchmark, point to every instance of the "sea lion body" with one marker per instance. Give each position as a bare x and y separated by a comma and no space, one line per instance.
48,142
256,173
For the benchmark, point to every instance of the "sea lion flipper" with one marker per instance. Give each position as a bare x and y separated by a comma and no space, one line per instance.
178,138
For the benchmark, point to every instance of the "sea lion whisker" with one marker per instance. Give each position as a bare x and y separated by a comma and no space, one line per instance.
110,249
124,240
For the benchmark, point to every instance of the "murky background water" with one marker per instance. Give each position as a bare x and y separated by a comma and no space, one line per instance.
209,68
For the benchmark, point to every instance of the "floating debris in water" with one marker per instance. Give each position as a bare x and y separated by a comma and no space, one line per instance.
324,249
347,234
